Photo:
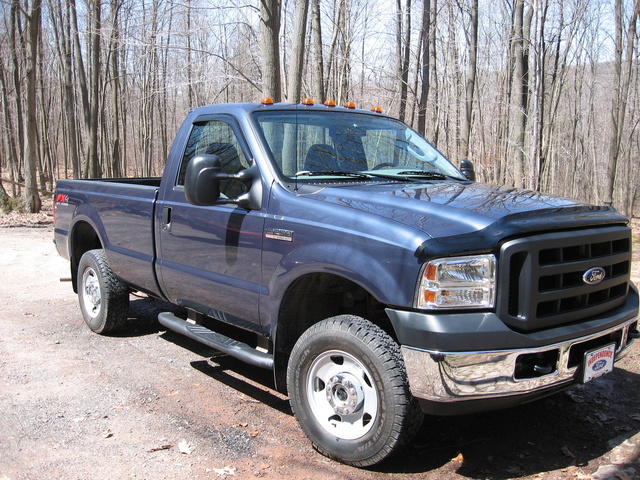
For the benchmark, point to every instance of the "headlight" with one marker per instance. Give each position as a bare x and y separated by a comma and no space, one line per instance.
458,282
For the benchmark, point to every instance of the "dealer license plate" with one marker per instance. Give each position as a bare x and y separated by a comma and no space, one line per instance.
598,362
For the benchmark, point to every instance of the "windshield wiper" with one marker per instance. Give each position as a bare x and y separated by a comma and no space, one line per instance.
411,175
428,175
332,173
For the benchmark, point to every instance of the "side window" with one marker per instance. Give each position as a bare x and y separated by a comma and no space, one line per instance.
218,138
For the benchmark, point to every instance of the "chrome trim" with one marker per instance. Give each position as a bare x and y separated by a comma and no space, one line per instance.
459,376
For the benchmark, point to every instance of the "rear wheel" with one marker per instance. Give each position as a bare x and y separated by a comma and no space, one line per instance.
104,299
348,389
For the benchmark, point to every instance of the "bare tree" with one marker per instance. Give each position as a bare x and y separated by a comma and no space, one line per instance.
472,47
299,47
30,197
403,52
270,47
94,169
424,66
318,59
622,78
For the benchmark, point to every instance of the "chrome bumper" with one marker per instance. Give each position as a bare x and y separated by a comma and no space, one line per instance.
445,377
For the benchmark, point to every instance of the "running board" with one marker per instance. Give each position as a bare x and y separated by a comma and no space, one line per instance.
220,342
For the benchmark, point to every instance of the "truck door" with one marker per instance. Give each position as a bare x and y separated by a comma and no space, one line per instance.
209,258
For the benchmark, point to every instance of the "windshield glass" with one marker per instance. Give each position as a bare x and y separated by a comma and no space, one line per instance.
318,143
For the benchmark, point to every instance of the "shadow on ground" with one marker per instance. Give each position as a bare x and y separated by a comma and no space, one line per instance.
569,429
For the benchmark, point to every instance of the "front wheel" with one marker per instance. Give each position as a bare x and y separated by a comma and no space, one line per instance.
348,390
104,299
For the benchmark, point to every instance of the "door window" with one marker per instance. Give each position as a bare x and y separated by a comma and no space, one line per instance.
218,138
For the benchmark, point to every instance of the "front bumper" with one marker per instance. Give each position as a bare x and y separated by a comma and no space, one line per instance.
463,382
472,361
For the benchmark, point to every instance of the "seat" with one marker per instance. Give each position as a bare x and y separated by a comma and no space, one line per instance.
321,158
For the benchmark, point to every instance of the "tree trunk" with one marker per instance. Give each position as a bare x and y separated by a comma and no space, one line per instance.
31,198
16,39
80,74
425,34
433,82
465,130
93,160
270,48
521,87
403,51
298,49
116,149
318,77
11,150
622,79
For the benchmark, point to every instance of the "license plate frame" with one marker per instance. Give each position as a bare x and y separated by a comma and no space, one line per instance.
598,362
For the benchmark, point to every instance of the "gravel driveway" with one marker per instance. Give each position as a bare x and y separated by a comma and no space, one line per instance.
153,405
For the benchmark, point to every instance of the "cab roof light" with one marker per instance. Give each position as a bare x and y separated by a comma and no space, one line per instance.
376,109
267,101
330,103
350,105
308,102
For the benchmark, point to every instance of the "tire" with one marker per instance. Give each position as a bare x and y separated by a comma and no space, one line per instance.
348,389
104,300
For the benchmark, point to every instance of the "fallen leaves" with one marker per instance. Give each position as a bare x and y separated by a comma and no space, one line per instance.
185,447
225,471
160,448
458,458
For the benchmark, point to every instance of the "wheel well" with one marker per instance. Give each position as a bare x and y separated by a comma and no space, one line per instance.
313,298
83,239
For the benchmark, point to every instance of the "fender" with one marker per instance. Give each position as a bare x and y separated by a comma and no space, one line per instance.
389,286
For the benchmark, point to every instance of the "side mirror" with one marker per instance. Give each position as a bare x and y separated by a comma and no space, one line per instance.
466,167
201,181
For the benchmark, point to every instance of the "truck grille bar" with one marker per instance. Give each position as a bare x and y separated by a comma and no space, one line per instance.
542,278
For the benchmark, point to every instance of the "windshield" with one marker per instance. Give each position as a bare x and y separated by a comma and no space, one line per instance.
316,144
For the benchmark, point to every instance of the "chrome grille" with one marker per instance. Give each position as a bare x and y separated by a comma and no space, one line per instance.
541,277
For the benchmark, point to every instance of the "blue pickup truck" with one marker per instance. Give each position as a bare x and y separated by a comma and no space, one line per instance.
374,278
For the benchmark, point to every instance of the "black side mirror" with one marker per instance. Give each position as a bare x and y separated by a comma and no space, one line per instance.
466,167
201,181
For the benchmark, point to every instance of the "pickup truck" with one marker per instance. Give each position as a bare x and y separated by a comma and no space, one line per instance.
378,281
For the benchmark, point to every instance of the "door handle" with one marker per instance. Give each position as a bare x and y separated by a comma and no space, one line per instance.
166,219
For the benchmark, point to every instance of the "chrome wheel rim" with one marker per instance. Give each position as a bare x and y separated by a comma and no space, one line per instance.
342,396
91,298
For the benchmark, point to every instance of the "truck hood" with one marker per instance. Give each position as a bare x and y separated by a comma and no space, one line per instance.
478,215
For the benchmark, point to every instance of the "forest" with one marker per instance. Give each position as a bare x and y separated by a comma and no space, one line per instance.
539,94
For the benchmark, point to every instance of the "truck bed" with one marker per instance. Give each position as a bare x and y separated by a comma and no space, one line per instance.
121,212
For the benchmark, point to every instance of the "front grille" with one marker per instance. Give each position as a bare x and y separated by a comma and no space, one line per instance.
541,284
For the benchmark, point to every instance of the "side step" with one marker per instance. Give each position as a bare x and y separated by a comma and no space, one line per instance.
220,342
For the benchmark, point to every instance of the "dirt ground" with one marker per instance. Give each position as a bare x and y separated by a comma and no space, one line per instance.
153,405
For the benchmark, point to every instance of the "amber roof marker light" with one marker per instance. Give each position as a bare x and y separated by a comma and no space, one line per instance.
267,101
349,105
376,109
308,102
329,103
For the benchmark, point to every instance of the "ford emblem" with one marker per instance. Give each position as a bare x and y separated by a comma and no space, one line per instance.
599,365
593,276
